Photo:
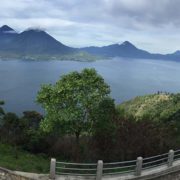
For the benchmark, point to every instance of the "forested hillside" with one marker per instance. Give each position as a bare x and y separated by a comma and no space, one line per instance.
156,107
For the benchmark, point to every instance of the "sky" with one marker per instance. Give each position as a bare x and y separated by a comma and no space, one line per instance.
152,25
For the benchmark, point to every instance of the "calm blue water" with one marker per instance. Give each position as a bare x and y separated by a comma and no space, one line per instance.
21,80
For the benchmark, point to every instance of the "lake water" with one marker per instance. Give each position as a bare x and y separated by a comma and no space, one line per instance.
21,80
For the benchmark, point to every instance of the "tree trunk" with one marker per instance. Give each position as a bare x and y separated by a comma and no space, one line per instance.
77,146
77,138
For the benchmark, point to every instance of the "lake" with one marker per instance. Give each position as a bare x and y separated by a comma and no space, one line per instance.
20,80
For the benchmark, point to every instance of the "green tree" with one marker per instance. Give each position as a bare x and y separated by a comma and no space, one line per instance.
11,128
32,136
2,113
69,103
104,128
1,110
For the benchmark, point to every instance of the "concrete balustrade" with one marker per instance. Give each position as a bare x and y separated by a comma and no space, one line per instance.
53,169
165,163
170,158
139,163
99,170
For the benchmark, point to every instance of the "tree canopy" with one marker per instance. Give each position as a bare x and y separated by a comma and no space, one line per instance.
1,109
68,103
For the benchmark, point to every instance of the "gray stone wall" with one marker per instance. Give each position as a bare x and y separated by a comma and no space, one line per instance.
10,176
6,174
173,176
161,173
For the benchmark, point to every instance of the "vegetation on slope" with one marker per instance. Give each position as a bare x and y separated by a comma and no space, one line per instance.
26,161
82,124
156,107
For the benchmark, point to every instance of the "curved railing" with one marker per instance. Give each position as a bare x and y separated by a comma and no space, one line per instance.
155,161
100,169
119,167
76,169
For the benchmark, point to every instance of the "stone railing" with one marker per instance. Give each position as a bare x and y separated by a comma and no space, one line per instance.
161,167
141,168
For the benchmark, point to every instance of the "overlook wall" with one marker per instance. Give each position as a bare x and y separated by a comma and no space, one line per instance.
6,174
161,167
166,171
160,173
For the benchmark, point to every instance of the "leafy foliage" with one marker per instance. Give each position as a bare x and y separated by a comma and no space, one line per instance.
33,137
1,110
104,127
25,162
82,123
71,100
157,107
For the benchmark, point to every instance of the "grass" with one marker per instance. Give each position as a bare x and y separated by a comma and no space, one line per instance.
25,162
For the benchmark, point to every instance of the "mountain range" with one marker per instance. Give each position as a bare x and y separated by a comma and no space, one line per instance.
38,44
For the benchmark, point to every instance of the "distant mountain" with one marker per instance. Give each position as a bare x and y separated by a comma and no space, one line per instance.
7,29
38,44
128,50
7,34
177,53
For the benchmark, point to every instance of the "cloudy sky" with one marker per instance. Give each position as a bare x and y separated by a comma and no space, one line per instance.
152,25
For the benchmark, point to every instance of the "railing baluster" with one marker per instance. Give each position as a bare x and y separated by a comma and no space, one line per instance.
139,166
170,158
99,170
53,168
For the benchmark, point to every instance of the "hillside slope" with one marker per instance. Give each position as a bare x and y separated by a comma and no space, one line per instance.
156,107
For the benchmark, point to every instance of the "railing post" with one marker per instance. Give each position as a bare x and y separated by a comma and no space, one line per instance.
170,158
139,163
53,168
99,172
